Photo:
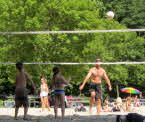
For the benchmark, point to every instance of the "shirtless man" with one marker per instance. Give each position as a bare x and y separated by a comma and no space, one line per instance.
58,83
21,90
96,74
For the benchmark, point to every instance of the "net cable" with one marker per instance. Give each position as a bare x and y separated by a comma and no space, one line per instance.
77,63
69,31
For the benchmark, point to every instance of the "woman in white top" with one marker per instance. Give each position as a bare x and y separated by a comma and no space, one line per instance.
44,90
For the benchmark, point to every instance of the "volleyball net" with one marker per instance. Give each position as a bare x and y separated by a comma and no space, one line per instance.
56,47
75,52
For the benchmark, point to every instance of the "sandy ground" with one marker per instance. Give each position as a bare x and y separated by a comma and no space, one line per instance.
35,115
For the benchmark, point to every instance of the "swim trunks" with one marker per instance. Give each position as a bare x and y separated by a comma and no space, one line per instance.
58,92
94,87
21,97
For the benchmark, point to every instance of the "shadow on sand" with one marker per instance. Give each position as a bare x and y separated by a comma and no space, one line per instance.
50,118
131,117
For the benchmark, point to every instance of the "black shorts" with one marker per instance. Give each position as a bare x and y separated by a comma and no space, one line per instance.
21,101
21,97
97,88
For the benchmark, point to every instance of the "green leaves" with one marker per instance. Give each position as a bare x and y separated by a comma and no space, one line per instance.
44,15
129,13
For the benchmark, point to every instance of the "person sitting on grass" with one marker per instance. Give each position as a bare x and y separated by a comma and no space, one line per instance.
129,105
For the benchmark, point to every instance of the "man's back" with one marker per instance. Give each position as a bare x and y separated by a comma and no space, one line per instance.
21,79
59,81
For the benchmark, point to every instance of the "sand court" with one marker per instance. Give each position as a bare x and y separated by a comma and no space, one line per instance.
35,115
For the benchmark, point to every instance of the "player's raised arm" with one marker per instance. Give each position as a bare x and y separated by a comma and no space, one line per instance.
86,79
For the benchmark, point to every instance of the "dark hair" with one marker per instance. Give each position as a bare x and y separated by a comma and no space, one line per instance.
19,65
55,70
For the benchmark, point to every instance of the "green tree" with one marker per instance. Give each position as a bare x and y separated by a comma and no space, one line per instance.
128,12
36,15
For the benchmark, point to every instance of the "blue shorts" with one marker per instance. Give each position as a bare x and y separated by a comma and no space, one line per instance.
58,92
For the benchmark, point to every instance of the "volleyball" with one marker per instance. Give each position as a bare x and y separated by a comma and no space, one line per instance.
110,14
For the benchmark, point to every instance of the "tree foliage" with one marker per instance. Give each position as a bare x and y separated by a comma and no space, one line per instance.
128,12
36,15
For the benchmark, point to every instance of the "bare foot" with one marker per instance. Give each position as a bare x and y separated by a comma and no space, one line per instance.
26,119
42,110
48,109
90,112
15,118
56,117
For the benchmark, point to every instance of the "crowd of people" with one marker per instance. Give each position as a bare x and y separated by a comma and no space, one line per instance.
127,104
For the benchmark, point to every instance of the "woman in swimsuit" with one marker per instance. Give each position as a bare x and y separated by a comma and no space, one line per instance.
58,83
